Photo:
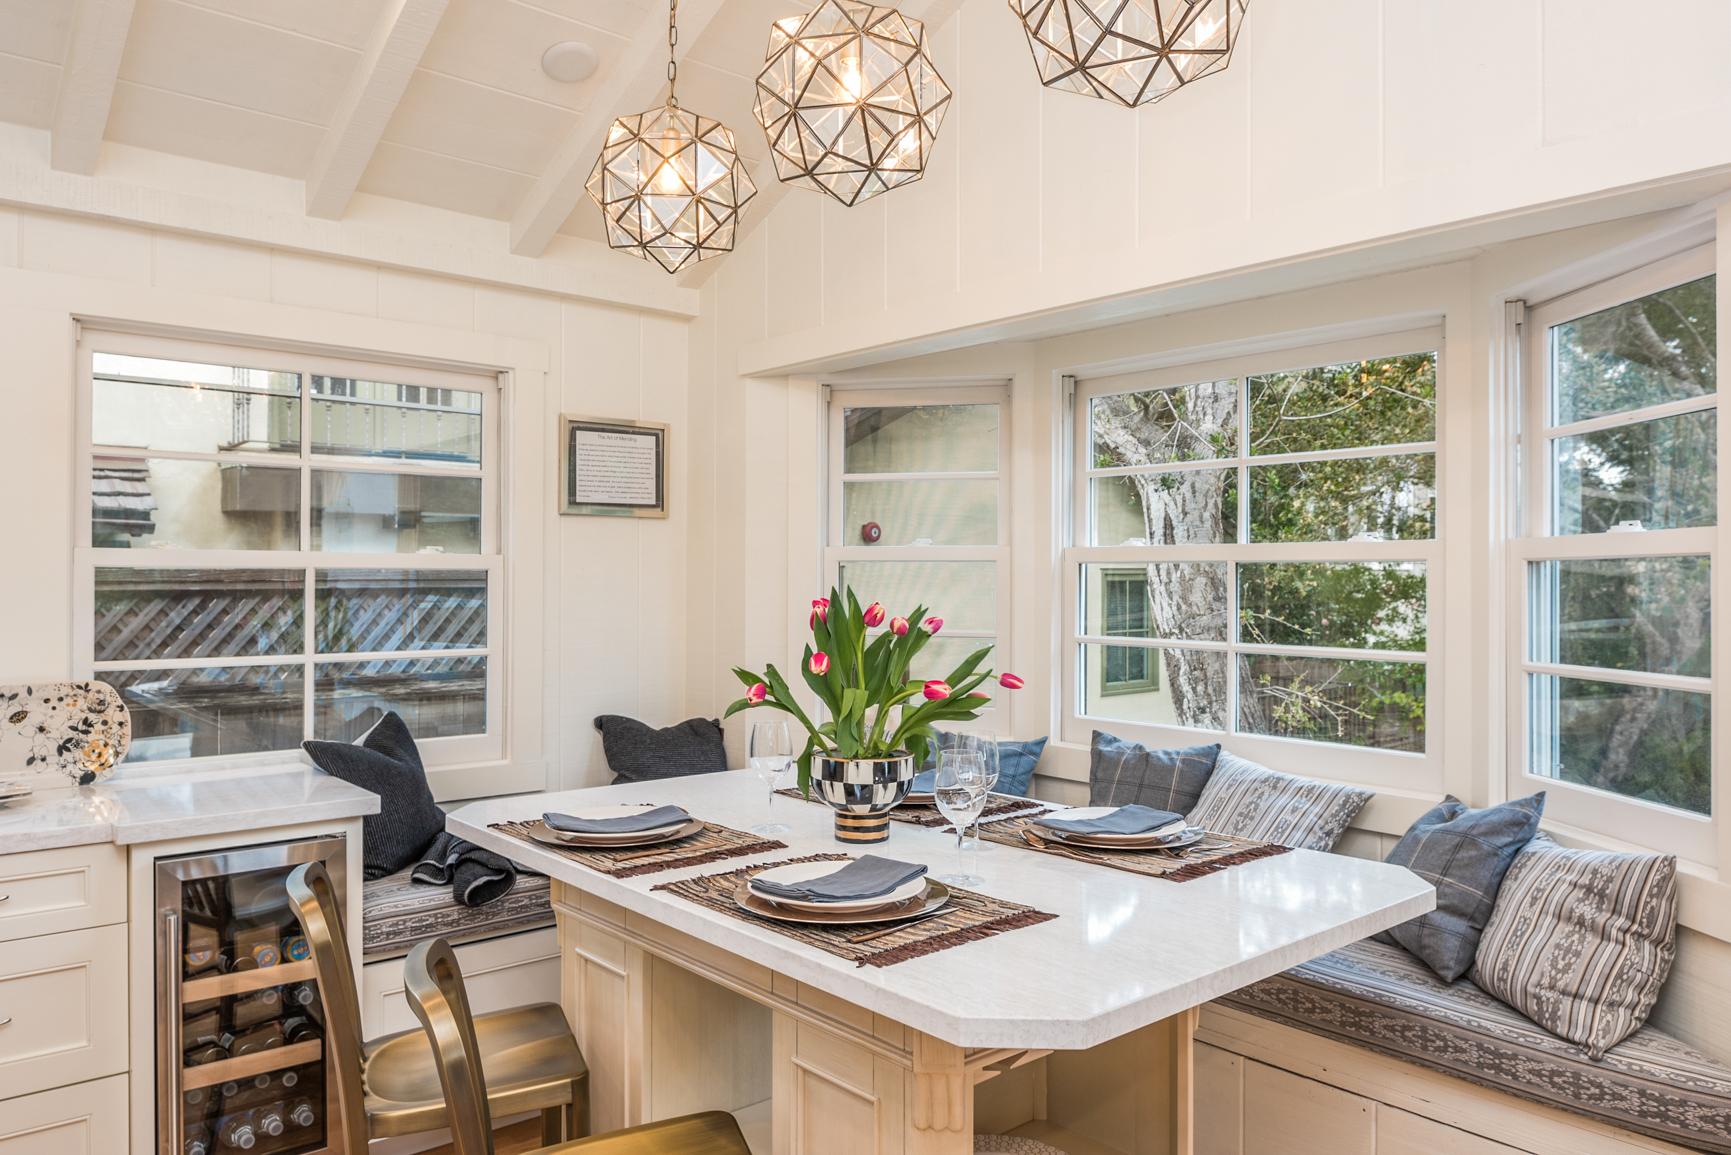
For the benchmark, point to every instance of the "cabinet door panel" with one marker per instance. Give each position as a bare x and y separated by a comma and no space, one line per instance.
1219,1098
48,891
65,998
1289,1115
1403,1133
89,1119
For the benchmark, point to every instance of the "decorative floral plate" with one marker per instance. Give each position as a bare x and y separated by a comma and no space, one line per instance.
79,729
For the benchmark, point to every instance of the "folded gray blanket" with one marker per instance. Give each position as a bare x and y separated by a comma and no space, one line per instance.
475,876
867,876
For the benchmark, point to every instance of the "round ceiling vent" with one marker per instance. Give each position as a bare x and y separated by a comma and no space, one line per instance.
569,61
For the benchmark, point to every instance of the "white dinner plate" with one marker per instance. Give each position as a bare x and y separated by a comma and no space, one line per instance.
620,838
1190,835
929,901
803,871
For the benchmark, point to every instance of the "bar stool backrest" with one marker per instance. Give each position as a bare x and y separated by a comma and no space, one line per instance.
320,909
434,984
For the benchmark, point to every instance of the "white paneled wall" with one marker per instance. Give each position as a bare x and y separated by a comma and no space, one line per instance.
598,605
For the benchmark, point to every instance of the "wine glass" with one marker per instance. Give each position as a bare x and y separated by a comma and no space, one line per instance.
771,754
986,748
960,792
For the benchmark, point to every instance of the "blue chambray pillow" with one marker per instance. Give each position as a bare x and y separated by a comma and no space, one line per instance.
1016,760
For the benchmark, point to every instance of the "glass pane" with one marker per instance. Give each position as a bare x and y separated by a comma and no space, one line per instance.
161,503
1661,474
363,611
1645,613
1375,704
963,593
1358,605
437,697
197,713
1638,741
376,419
1186,507
1646,352
152,614
1184,601
943,654
920,512
1185,423
920,439
1164,687
1390,401
395,513
1357,499
149,403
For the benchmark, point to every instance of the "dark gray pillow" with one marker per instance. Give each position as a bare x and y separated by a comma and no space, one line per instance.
385,761
1464,853
637,752
1124,773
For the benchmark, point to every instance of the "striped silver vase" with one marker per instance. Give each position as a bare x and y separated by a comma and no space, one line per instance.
862,791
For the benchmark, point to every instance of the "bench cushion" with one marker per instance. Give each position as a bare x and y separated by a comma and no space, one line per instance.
1381,998
397,913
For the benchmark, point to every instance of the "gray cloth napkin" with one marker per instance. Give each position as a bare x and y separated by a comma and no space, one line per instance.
651,819
865,877
1124,820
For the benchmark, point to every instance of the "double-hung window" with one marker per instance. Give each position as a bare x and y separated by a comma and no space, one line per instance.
1611,578
283,546
918,513
1255,554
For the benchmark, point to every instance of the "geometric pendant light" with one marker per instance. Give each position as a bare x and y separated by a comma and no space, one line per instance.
850,100
1133,52
669,182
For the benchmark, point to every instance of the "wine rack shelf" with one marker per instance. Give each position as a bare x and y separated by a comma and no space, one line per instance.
247,1066
242,982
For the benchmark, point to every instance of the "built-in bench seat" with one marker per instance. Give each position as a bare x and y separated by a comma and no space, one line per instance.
397,913
1381,998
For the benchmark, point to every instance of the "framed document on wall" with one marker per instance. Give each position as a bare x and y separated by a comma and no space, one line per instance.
613,468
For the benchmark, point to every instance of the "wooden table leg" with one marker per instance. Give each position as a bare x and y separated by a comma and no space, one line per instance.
1184,1081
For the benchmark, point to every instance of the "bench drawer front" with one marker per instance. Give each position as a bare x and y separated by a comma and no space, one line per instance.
65,998
89,1119
48,891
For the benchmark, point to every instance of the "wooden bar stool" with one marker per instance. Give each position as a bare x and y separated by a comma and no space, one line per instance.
392,1085
435,988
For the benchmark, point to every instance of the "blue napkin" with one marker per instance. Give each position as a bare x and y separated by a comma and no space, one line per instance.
653,818
925,782
867,876
1124,820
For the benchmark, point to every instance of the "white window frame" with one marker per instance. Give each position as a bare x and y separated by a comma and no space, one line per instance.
1391,769
437,753
1631,820
836,553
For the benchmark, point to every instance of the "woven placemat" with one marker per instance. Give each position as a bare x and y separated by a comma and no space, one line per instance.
968,917
1001,806
715,843
1215,853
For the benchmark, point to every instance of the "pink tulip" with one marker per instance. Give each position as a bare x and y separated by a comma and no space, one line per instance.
899,627
819,664
757,694
932,625
937,691
874,615
1011,681
819,611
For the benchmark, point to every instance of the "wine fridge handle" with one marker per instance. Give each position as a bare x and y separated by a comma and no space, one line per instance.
168,983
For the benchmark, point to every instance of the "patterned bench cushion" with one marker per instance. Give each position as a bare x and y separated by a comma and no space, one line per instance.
397,913
1381,998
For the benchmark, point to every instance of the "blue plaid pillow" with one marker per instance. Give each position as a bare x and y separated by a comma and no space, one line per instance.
1016,760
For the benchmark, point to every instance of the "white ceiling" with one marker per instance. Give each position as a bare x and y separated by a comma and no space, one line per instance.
258,83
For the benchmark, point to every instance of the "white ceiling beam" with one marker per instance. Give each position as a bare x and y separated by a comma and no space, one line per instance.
99,29
635,84
404,30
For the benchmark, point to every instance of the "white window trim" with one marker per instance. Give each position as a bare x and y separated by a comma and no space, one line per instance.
438,753
1397,770
1696,838
836,554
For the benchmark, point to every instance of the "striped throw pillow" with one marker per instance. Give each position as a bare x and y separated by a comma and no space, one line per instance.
1580,941
1245,800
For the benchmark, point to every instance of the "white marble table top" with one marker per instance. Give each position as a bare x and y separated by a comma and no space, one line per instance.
151,807
1124,951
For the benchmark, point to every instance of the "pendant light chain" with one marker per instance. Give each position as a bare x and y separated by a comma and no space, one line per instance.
672,59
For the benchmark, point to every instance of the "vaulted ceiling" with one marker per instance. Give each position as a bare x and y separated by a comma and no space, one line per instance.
437,102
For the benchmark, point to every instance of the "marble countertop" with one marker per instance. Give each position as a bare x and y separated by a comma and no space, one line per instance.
1124,951
151,807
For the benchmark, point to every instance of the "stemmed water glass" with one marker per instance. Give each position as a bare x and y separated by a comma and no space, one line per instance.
771,754
986,749
960,791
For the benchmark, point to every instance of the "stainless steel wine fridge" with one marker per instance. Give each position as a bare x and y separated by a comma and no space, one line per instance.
239,1021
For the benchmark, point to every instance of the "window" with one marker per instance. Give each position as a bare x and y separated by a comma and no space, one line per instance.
1256,552
284,546
1613,570
917,512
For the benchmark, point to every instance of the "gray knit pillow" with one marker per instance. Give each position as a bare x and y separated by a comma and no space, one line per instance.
1245,800
638,752
1124,773
1581,941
